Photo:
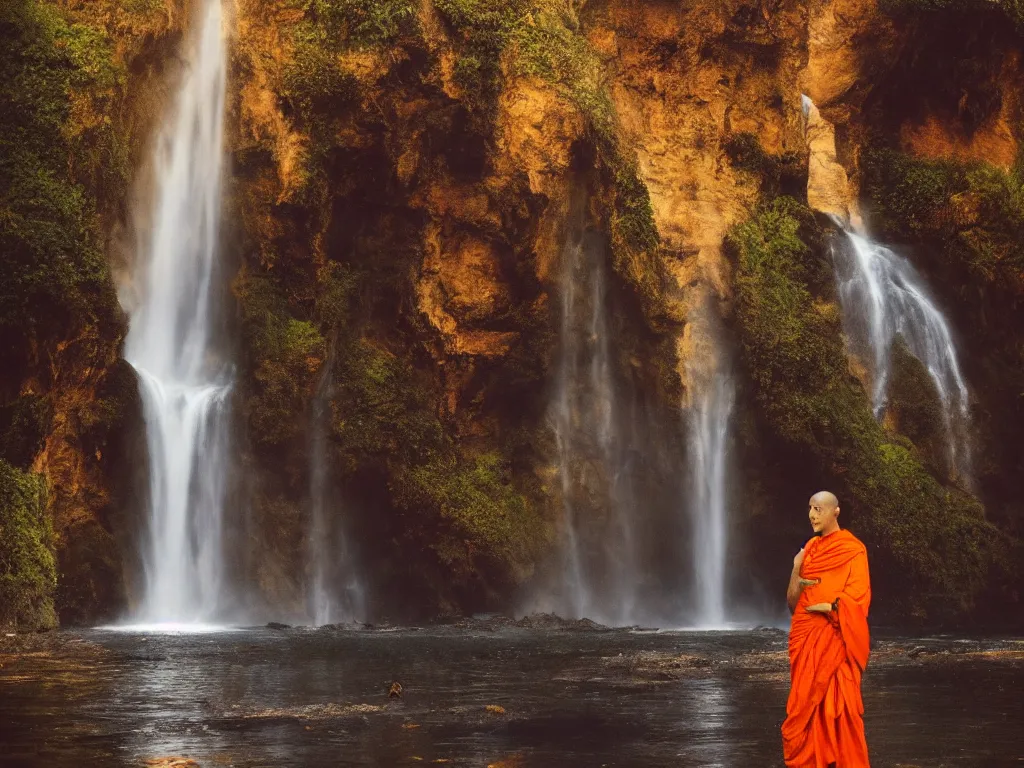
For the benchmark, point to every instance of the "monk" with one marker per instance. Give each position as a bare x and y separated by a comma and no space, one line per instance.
829,593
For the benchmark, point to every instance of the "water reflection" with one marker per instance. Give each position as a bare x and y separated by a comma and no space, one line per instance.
619,698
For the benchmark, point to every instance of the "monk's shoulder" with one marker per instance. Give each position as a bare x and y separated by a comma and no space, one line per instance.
857,543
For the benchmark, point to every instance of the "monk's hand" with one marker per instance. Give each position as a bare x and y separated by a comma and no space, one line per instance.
820,608
809,582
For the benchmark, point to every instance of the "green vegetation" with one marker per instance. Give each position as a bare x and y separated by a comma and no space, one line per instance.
385,423
360,23
966,221
916,408
314,82
27,569
285,355
931,545
976,212
56,152
485,30
62,163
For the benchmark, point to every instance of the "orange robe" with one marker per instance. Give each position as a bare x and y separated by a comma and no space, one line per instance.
827,655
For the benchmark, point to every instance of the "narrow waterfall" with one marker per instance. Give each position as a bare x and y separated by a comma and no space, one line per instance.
336,593
709,420
184,383
599,573
883,297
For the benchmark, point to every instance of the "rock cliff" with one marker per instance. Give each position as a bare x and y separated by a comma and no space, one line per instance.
405,177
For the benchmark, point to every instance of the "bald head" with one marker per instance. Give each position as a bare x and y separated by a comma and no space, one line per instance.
823,512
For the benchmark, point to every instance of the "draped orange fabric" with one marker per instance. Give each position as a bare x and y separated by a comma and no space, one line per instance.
827,655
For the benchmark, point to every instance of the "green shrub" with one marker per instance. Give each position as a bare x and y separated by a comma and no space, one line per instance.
284,354
363,23
931,545
313,80
54,276
476,497
974,213
466,504
27,569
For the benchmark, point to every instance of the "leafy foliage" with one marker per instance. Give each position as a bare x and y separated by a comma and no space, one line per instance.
385,421
966,221
55,79
362,23
976,211
285,355
27,568
930,544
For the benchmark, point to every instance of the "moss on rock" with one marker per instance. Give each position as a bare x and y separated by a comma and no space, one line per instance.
465,504
930,545
284,355
27,569
53,76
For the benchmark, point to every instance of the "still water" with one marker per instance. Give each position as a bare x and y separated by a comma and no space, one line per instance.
303,697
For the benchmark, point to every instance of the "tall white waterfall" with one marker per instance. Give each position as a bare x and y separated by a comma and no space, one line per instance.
599,573
336,592
710,414
184,385
883,297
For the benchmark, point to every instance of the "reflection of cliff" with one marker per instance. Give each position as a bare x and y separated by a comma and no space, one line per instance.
403,174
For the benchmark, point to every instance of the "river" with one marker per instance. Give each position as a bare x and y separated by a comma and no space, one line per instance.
558,695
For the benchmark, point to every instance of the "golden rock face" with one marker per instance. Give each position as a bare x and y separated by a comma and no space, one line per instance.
452,208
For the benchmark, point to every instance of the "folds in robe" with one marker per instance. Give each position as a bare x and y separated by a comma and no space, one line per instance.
827,656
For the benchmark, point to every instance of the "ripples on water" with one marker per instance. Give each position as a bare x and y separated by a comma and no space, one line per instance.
617,698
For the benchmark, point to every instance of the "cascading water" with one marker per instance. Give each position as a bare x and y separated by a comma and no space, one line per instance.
599,573
335,591
183,384
883,297
709,420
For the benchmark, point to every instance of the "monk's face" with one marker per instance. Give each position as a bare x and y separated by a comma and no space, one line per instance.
823,515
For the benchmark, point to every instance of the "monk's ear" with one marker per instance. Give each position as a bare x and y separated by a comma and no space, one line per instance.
837,511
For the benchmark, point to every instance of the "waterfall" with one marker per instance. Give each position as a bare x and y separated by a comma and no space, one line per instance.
710,413
598,573
883,297
183,384
330,558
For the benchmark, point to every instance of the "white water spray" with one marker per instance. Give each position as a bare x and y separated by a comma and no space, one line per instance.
883,297
336,592
710,415
184,386
599,574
